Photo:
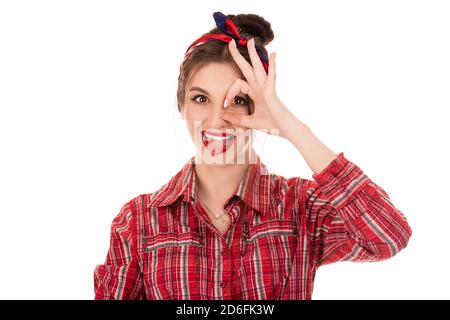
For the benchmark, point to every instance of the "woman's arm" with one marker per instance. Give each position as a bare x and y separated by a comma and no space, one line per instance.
348,216
316,154
120,277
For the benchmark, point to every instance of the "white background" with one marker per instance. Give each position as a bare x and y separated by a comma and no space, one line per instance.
88,121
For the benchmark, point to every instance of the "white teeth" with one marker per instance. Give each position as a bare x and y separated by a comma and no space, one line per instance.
217,138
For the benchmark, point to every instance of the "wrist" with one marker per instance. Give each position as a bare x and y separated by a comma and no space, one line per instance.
291,127
285,121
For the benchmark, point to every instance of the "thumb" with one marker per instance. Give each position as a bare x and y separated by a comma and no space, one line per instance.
237,119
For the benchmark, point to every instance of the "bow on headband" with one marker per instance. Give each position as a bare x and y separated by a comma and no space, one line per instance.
228,28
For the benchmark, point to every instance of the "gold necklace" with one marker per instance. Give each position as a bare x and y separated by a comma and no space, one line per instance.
210,211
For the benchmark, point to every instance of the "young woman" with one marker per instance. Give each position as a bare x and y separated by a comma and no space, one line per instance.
224,227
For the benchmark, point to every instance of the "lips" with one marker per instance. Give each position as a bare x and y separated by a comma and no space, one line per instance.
217,142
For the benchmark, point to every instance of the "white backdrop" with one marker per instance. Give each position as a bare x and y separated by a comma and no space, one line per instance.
88,121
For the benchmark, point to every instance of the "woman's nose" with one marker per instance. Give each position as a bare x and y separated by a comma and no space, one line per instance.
215,115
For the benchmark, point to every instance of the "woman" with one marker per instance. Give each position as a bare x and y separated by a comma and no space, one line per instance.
224,227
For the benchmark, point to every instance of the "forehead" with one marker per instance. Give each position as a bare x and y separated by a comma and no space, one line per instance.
216,77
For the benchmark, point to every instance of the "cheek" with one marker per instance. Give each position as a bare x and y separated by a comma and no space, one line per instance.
195,112
244,110
194,121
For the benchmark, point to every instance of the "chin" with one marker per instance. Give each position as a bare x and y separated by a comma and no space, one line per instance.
221,159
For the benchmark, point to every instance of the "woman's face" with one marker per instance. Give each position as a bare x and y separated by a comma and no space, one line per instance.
216,141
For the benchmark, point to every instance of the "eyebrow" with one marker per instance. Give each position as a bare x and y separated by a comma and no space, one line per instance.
206,92
199,89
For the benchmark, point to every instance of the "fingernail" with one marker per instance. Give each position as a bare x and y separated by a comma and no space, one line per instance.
233,42
225,103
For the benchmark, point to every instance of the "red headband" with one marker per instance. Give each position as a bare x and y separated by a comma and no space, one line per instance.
228,28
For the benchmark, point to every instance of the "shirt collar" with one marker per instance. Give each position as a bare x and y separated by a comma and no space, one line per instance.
255,187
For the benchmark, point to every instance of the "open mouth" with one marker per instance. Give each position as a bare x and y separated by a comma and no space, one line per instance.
217,142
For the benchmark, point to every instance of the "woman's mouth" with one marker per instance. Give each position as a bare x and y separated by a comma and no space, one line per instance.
217,142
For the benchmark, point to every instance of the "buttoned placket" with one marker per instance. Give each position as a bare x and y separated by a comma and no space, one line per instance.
225,258
229,274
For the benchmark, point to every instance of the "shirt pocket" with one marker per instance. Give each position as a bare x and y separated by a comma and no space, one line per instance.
170,239
171,264
267,258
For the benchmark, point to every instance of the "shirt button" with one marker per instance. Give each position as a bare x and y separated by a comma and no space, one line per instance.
224,284
225,252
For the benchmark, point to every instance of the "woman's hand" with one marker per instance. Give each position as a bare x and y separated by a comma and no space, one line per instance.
269,112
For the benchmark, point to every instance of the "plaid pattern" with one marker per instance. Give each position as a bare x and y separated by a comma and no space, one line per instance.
163,245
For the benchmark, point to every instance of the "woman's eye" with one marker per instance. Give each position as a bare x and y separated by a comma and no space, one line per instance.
244,101
237,100
203,98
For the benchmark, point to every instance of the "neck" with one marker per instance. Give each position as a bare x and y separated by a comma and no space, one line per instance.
216,183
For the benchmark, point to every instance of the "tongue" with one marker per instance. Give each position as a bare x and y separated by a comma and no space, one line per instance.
216,146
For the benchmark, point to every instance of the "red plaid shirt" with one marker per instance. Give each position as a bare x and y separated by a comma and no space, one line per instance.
163,245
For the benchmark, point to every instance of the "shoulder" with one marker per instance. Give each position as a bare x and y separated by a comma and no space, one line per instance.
125,221
290,187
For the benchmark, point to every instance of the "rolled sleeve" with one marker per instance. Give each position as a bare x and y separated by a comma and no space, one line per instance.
349,217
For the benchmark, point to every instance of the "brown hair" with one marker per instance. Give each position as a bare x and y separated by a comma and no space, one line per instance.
248,25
